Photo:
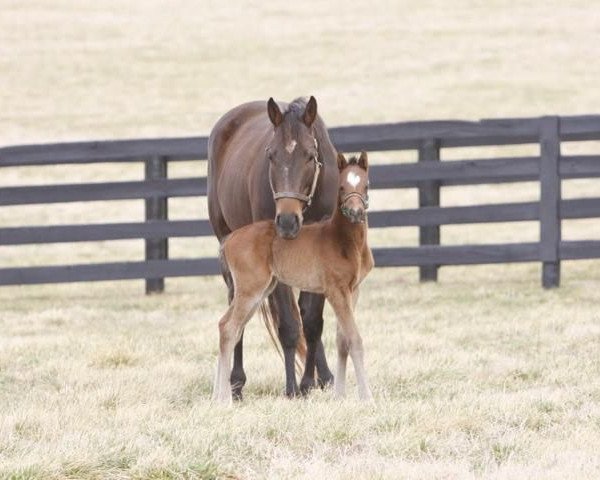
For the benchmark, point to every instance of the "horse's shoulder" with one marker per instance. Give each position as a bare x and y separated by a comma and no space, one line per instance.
261,227
250,238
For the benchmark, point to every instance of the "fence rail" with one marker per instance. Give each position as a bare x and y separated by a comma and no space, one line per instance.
429,175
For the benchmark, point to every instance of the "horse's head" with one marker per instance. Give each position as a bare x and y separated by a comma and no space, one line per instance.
294,163
354,187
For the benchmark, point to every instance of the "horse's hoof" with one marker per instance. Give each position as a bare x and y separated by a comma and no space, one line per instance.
306,385
293,392
236,393
325,382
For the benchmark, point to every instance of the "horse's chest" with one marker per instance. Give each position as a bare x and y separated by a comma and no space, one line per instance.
298,269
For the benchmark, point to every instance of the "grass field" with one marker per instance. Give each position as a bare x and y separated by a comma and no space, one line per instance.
483,375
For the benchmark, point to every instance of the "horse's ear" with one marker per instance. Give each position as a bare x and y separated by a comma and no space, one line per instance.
310,113
341,161
363,161
274,113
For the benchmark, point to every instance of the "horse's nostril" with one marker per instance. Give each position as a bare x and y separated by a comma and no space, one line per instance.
286,221
288,224
357,214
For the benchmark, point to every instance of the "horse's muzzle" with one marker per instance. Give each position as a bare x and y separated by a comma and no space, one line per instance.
356,215
287,225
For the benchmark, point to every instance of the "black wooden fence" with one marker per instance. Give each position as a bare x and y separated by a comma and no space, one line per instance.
429,175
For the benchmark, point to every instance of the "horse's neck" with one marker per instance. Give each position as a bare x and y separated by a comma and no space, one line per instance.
354,232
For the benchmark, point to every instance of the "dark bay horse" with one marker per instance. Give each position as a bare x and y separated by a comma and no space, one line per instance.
275,161
330,257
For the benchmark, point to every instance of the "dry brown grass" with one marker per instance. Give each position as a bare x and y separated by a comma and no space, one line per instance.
483,375
493,380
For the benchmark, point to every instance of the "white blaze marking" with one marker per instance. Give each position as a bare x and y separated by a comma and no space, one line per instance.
291,146
353,179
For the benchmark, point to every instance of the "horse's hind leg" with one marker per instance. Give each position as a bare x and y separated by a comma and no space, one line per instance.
311,307
231,327
227,330
238,376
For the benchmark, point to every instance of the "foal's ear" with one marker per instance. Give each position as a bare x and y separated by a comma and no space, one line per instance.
275,114
310,113
363,161
341,161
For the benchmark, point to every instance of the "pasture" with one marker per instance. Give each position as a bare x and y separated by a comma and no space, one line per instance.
482,375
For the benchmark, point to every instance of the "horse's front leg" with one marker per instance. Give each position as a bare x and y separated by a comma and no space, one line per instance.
350,342
342,360
311,308
285,311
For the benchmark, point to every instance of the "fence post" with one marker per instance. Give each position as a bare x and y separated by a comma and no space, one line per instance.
156,209
429,196
550,220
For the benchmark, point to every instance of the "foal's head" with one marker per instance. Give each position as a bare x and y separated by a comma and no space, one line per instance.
354,187
294,162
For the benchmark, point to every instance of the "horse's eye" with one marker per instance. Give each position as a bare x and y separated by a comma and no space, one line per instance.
311,158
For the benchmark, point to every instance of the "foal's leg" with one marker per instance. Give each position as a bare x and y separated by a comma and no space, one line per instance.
289,332
231,326
238,376
349,337
342,351
311,308
222,361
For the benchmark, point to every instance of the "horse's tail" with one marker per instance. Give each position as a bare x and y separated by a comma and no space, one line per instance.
269,314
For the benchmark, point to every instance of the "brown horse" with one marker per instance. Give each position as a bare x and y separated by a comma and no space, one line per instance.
275,161
330,258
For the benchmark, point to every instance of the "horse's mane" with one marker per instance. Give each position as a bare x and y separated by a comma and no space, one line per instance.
293,117
294,112
296,107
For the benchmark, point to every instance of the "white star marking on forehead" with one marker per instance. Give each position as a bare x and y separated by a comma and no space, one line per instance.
291,146
353,179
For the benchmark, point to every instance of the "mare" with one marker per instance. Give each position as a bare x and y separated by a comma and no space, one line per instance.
275,161
329,258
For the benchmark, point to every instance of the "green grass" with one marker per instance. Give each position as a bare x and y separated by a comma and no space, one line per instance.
483,375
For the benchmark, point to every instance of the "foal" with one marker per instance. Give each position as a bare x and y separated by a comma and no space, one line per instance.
330,257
